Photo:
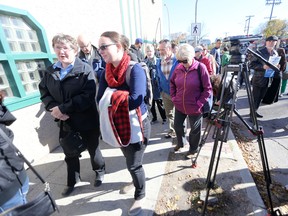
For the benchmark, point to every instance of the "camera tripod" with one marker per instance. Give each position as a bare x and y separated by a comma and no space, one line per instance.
222,120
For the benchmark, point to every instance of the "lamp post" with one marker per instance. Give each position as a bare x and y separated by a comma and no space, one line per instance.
196,4
168,20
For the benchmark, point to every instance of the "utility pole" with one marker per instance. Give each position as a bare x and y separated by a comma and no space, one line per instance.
273,2
247,26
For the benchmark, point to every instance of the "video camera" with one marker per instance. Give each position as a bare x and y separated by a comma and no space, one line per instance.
239,45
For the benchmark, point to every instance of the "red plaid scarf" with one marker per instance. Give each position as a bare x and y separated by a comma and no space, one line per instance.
119,115
116,76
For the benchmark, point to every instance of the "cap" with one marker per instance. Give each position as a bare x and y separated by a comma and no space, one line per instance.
272,38
198,49
139,40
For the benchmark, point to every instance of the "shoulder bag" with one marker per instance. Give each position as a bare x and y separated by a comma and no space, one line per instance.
207,107
71,142
43,204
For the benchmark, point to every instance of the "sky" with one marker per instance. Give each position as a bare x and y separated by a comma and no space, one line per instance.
220,18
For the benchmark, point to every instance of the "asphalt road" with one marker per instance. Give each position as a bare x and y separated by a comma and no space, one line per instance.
275,135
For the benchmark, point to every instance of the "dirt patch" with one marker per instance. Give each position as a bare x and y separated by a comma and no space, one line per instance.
279,194
183,188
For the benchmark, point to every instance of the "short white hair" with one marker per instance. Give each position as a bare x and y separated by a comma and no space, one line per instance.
186,52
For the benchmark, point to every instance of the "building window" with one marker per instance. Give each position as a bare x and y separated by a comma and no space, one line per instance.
21,37
24,56
4,84
29,74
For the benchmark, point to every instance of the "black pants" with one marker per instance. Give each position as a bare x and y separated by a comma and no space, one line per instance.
258,94
160,109
91,138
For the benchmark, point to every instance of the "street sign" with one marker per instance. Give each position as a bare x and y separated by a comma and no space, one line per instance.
196,29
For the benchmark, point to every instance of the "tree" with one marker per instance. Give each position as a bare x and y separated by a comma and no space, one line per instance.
276,27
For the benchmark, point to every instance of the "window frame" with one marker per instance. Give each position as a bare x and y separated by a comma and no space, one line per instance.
9,59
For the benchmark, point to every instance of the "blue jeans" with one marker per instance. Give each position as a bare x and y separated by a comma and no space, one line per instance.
18,199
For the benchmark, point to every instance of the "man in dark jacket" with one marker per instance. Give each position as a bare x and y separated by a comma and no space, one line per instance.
217,55
89,54
260,83
136,49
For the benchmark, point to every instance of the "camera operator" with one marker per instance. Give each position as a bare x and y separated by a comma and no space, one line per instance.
261,83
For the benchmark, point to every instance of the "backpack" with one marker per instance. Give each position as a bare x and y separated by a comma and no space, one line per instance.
207,107
149,94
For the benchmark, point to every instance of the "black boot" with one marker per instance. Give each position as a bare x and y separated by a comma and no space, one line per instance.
99,178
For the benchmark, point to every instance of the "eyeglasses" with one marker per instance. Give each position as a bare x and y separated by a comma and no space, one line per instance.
183,61
65,49
103,47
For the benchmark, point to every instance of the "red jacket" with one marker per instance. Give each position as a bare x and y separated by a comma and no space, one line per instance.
185,88
207,63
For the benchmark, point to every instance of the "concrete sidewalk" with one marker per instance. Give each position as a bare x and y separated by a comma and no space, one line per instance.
107,200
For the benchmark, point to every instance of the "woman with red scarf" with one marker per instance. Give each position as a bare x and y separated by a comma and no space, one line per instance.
113,50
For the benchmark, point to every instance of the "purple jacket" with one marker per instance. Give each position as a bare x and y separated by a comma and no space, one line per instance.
185,88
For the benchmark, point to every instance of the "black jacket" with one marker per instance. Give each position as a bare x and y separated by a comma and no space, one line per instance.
96,61
137,52
74,94
11,165
258,76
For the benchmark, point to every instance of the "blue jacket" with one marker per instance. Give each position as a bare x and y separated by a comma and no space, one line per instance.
164,84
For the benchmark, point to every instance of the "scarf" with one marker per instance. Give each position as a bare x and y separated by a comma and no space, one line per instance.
116,76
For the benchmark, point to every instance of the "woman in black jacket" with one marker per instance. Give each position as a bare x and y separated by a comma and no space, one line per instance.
14,182
68,91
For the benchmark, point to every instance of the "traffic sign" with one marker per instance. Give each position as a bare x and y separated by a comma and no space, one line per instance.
196,29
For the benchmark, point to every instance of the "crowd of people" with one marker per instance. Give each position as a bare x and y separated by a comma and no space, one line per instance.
86,76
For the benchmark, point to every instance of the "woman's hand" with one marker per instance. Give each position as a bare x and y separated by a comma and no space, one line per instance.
56,113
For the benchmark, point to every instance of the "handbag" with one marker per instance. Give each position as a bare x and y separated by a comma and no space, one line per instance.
6,116
207,107
71,142
43,204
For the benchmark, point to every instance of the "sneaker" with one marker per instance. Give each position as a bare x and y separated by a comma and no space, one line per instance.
177,148
190,153
98,179
281,95
153,121
170,135
164,121
136,207
258,115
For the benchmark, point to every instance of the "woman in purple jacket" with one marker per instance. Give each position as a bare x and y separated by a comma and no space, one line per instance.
187,96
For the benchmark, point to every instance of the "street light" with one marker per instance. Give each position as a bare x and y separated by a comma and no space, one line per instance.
196,3
168,20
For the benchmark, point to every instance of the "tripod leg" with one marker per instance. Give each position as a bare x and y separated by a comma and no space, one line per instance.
260,139
202,142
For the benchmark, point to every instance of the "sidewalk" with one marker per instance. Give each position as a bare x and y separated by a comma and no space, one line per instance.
106,199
